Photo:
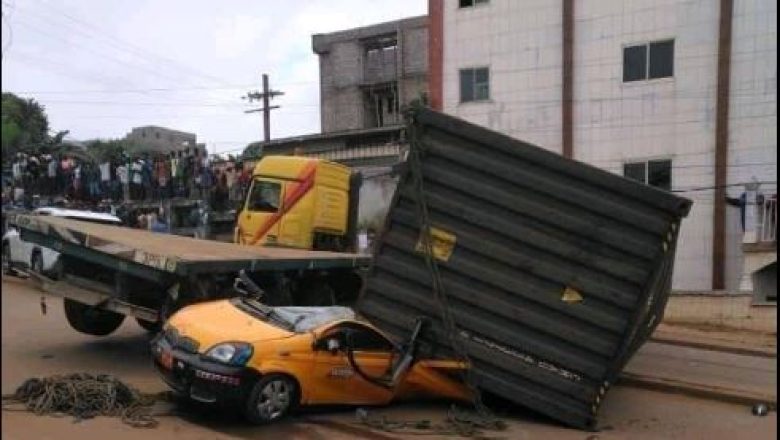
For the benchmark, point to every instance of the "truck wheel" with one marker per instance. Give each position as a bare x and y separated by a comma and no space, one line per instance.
91,320
36,262
272,398
151,327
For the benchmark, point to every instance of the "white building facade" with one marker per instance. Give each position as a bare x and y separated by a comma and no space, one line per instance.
643,98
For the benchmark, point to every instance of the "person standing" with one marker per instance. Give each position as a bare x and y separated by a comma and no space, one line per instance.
51,173
105,177
146,177
124,179
136,180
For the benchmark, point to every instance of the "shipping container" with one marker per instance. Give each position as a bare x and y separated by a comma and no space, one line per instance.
552,272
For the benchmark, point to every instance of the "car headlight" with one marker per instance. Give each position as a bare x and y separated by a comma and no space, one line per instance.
233,353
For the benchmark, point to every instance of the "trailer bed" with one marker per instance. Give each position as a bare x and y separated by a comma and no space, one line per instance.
116,246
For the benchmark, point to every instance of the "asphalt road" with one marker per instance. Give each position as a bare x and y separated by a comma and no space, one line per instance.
41,345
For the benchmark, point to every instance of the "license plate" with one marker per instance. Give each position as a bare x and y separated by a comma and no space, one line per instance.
166,359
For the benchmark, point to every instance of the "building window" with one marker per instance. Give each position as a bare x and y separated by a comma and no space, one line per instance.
657,173
157,135
648,61
474,84
470,3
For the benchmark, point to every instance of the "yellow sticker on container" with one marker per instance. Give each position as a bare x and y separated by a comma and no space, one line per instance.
571,296
442,244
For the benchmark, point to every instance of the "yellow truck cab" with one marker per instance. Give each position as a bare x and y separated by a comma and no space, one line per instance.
299,202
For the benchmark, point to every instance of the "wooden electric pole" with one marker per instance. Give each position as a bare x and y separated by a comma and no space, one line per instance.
266,97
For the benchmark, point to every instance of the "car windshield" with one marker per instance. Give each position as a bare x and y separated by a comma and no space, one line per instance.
294,319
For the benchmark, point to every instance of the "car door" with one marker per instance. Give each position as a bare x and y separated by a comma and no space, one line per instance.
337,382
259,220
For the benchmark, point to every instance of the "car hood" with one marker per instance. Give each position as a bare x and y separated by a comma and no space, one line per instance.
214,322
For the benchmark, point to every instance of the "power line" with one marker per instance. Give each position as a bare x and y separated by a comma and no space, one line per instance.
87,28
707,188
102,55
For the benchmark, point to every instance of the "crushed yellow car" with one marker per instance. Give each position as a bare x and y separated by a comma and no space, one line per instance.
270,360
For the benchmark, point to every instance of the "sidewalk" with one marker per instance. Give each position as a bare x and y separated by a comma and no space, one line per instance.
700,372
715,338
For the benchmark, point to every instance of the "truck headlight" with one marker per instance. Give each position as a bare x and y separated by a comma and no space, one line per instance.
232,353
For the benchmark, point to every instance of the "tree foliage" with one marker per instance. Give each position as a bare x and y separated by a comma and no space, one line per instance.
25,127
108,150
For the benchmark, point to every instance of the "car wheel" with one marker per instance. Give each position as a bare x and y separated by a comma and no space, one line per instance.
272,398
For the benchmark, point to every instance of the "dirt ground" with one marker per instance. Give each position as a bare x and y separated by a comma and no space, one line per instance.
40,345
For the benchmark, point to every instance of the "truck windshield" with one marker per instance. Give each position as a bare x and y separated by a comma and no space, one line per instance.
264,196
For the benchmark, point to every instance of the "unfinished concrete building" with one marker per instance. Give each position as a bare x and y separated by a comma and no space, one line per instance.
368,73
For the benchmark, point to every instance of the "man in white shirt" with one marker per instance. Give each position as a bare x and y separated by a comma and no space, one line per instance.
135,169
122,174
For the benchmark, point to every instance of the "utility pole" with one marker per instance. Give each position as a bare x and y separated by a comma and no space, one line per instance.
266,97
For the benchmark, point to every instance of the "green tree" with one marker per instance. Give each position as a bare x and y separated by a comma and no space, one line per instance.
108,150
25,127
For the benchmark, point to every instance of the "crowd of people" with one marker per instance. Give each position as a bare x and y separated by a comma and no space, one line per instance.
147,176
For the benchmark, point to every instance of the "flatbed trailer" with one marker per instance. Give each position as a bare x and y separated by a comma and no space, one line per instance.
163,272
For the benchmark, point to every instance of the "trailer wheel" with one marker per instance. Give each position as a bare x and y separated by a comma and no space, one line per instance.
6,258
91,320
151,327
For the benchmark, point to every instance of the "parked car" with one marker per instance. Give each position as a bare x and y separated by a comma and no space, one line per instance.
268,360
18,253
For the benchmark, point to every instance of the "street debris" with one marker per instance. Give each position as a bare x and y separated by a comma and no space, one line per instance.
458,422
85,396
760,409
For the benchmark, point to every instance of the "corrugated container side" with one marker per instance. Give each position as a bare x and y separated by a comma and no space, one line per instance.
555,271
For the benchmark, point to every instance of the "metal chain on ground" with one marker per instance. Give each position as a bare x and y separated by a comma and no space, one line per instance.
437,284
85,396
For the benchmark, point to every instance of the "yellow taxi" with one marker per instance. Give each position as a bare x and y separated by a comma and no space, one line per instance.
269,360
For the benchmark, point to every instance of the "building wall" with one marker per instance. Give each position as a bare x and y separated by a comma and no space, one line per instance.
752,113
161,139
667,118
344,77
617,122
521,42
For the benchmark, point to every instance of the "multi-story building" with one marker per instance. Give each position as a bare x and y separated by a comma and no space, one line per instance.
368,73
679,94
165,140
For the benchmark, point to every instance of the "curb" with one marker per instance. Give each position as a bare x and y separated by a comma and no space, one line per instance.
716,347
727,395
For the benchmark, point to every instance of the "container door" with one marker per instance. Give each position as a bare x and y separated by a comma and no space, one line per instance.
259,221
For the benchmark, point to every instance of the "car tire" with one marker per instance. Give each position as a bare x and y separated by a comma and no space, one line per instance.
271,399
91,320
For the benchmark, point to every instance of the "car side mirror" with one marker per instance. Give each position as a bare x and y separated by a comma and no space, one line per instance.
333,345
